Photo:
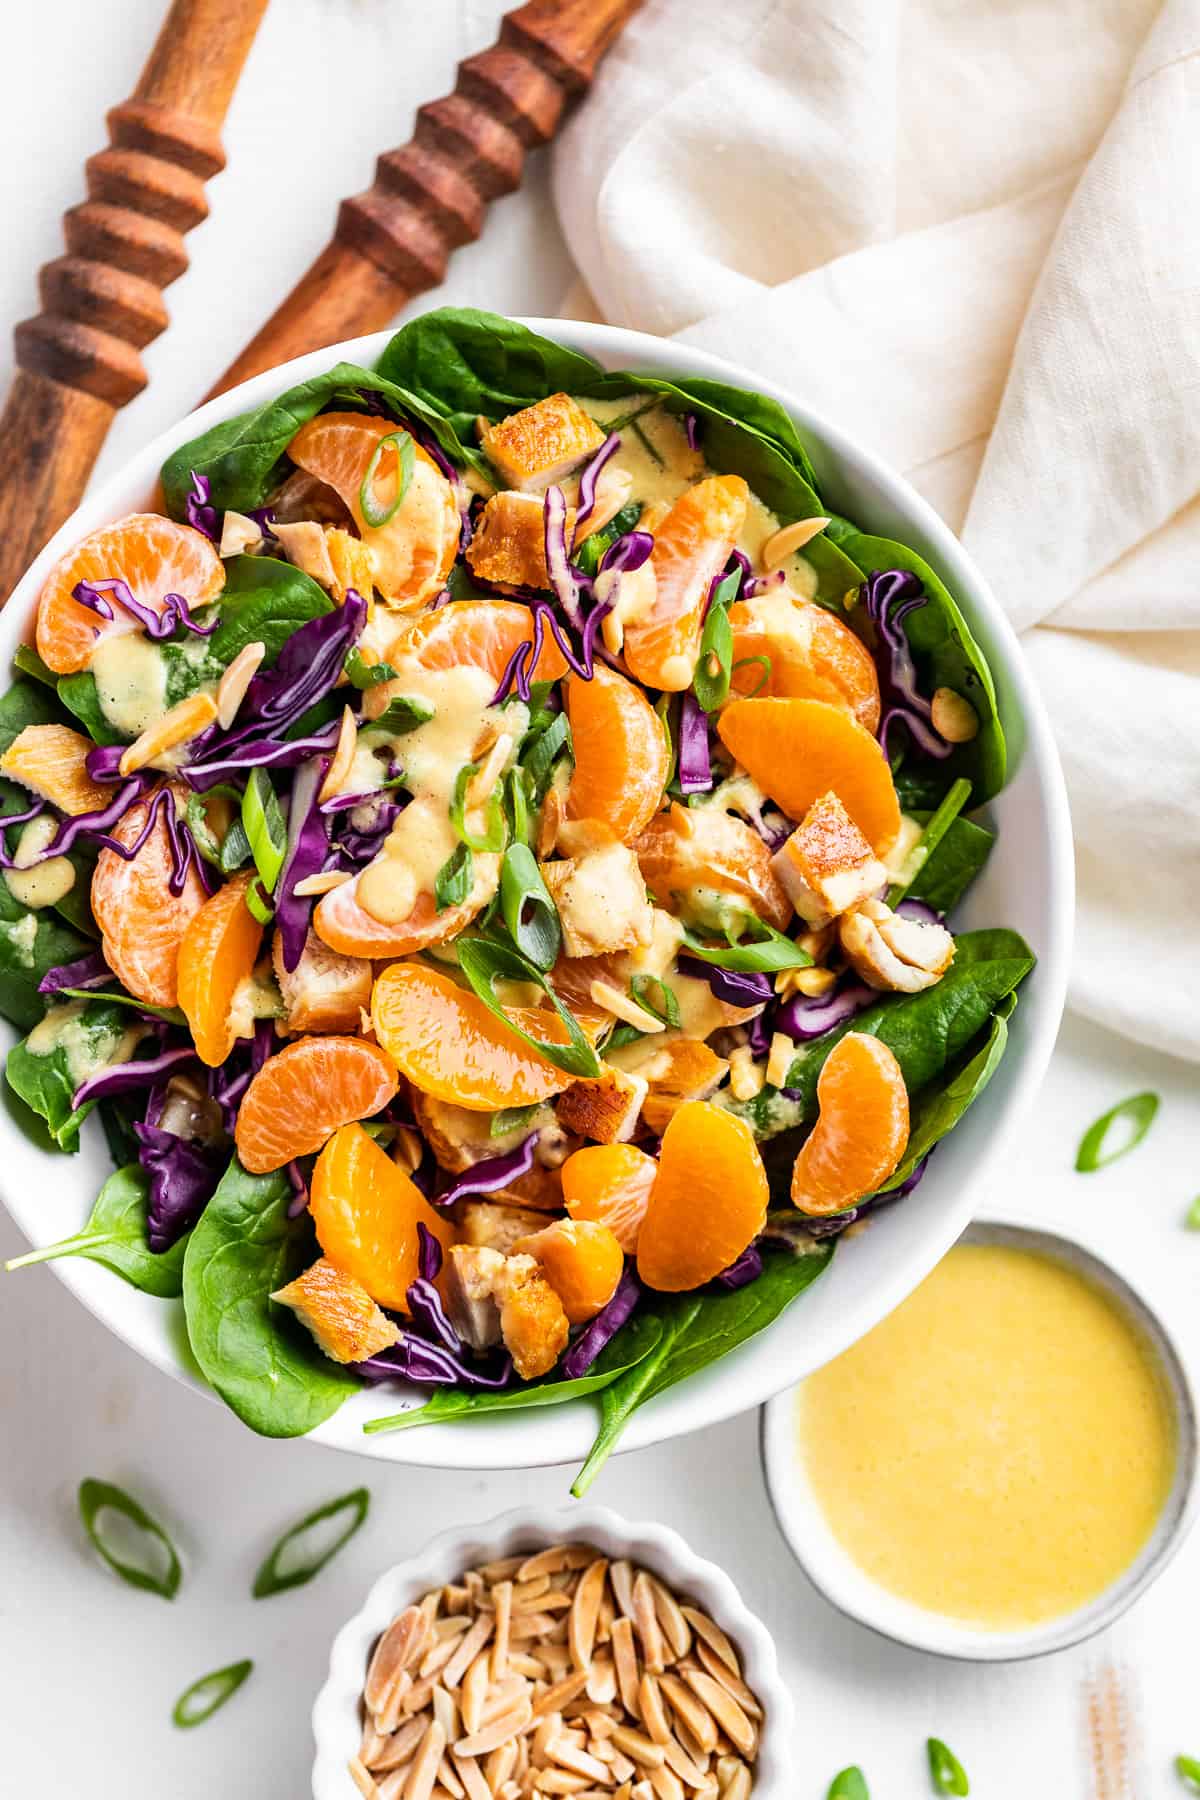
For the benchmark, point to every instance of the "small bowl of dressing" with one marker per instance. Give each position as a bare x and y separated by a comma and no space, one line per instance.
1003,1465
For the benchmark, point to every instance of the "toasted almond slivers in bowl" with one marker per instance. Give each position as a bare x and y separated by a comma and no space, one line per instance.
557,1674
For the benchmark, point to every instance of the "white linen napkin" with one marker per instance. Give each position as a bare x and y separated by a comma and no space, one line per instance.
972,236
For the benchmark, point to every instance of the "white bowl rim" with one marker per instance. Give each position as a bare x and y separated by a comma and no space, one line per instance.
830,1570
564,1434
335,1720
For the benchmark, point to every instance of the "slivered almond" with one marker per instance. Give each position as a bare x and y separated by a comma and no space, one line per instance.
397,1649
738,1785
435,1660
483,782
503,1568
181,722
394,1705
689,1762
473,1692
713,1636
448,1780
545,1729
637,1745
622,1007
525,1592
602,1680
560,1781
373,1742
423,1773
445,1711
622,1768
626,1664
231,689
620,1575
468,1649
689,1710
503,1698
498,1732
472,1777
503,1594
362,1779
560,1694
555,1561
563,1752
532,1667
645,1618
675,1627
400,1747
790,538
666,1784
527,1625
500,1765
725,1710
585,1609
324,883
343,758
654,1715
724,1674
418,1696
391,1787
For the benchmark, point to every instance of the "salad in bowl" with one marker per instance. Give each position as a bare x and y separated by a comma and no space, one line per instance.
486,848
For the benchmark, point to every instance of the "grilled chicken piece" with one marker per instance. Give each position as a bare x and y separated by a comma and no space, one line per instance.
337,1309
827,866
540,444
675,1069
605,1110
459,1139
601,900
509,545
888,951
487,1226
325,991
506,1299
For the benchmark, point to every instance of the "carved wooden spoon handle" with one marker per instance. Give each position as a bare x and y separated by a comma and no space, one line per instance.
80,358
393,242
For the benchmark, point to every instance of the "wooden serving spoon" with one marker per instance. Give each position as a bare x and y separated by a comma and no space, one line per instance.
80,359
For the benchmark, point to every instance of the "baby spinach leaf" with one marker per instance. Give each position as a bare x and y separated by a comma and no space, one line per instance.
946,655
264,1367
31,943
939,1109
304,1549
264,601
26,661
115,1235
631,1345
202,1699
243,457
926,1031
24,703
158,1570
80,696
697,1329
47,1080
953,865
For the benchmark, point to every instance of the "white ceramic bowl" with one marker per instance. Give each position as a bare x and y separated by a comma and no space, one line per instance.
1028,884
336,1717
835,1575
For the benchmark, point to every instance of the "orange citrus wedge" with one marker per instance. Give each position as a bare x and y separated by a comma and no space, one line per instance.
861,1130
798,750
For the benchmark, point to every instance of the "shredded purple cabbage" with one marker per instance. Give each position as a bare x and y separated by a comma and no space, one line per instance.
158,625
519,668
299,1200
90,971
127,1077
757,584
198,510
760,1030
221,760
183,1179
689,426
741,562
307,849
563,578
430,1365
627,553
737,987
424,1302
494,1172
805,1018
695,763
889,596
603,1328
747,1268
363,842
587,480
921,912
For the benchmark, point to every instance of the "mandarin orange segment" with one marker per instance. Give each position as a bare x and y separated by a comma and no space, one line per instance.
691,848
216,955
413,552
141,921
303,1094
861,1130
582,1261
450,1045
691,546
52,761
797,750
341,922
477,634
366,1212
610,1183
155,556
708,1202
814,655
621,757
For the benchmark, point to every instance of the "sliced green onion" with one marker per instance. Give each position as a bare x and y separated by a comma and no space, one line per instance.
484,962
402,444
157,1569
265,830
762,955
1192,1219
513,1118
650,448
401,715
204,1697
623,1034
197,823
945,1771
258,904
710,683
494,836
173,1015
235,848
292,1562
589,554
529,912
665,1006
455,878
1135,1114
1188,1769
935,830
546,746
749,662
851,1784
662,707
517,798
362,674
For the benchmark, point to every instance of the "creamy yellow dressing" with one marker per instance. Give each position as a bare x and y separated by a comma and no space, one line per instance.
86,1048
38,884
422,839
999,1449
131,681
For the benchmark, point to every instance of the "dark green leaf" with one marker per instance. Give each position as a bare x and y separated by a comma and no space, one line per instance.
930,839
485,962
455,878
26,661
953,866
529,912
619,1357
205,1696
294,1560
945,1771
1102,1144
47,1080
157,1570
939,1108
80,695
656,997
697,1329
261,1362
264,601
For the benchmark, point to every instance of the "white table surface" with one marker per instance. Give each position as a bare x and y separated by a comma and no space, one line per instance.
89,1668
